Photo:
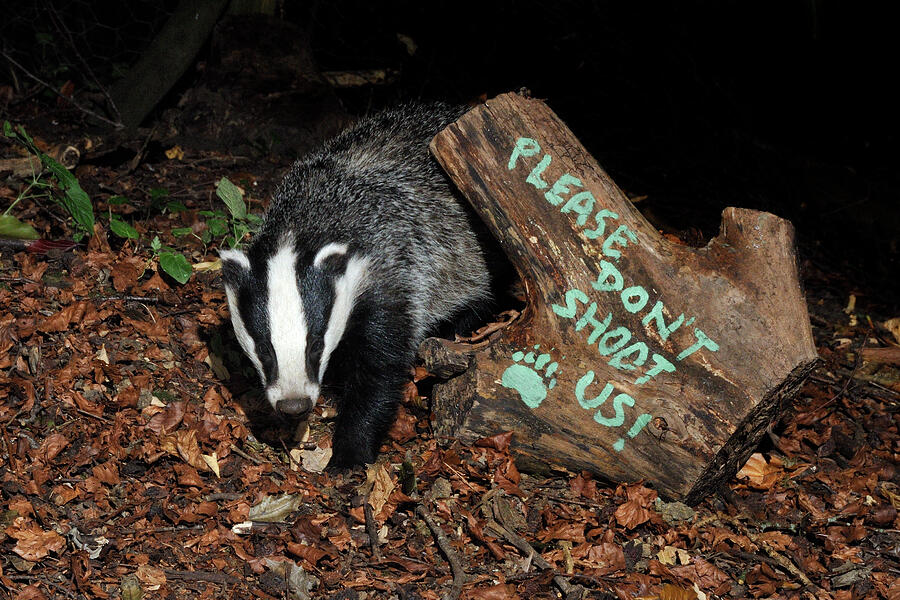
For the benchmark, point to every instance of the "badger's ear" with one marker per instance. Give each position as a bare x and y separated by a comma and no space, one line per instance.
235,266
332,258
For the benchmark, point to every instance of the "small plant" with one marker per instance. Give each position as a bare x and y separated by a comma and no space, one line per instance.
230,227
10,226
116,224
172,262
240,222
65,191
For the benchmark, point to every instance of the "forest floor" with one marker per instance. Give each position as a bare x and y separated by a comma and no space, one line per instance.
136,459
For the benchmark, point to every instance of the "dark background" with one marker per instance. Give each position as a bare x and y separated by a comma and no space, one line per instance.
787,106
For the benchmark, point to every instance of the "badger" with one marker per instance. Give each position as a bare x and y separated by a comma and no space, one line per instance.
364,250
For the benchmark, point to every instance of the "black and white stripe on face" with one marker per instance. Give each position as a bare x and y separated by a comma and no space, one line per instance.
306,308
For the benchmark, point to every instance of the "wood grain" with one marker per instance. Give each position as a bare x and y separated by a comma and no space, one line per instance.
704,386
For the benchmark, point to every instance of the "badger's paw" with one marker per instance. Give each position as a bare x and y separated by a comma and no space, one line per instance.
346,455
526,378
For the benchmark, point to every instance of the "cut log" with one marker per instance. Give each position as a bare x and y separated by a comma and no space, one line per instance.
636,357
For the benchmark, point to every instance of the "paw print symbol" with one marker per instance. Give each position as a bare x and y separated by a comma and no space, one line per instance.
527,380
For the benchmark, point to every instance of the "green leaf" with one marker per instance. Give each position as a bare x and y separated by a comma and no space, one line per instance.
176,265
157,193
122,229
117,200
8,129
11,227
74,199
155,244
232,197
175,206
181,231
217,227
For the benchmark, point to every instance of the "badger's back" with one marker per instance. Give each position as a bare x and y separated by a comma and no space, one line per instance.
376,188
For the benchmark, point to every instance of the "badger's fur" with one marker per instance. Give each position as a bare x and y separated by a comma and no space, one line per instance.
365,248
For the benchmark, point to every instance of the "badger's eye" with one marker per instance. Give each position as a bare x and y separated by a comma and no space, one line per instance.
316,347
266,354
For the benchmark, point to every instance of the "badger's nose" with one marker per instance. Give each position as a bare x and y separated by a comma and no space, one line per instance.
294,406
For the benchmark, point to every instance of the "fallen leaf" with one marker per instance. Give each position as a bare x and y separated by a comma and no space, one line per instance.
761,474
382,486
499,442
212,461
274,509
51,447
151,577
630,514
33,543
501,591
315,460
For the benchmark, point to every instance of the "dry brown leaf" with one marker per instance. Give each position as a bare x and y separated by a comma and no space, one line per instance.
189,449
382,486
107,473
760,474
151,577
499,442
33,543
31,592
630,514
51,447
676,592
404,427
501,591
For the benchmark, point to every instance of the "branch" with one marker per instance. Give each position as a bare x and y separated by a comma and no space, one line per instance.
75,103
459,573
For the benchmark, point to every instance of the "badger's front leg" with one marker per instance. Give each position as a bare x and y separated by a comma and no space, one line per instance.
365,414
370,371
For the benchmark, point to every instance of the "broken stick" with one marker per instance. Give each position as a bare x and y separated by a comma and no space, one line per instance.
636,357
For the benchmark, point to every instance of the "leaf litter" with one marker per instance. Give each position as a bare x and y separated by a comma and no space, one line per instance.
139,460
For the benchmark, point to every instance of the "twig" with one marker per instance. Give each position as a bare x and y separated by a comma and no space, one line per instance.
74,103
522,545
136,161
781,561
257,461
459,573
66,33
214,577
16,244
87,414
372,530
131,530
240,452
849,380
147,299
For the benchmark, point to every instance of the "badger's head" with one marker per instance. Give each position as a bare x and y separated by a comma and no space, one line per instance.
289,312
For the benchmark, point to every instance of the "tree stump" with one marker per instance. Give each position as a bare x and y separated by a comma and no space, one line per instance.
636,357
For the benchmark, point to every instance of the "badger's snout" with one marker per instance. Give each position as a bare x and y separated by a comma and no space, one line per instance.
296,407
